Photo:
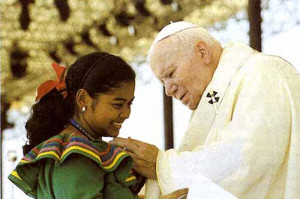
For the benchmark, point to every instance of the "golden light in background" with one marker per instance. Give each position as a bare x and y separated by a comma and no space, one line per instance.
49,38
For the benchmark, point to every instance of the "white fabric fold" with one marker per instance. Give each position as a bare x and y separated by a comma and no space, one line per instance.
251,147
202,187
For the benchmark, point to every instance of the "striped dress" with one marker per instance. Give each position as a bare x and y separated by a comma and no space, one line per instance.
68,166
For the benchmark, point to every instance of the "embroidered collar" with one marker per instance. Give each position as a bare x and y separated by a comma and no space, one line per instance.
61,146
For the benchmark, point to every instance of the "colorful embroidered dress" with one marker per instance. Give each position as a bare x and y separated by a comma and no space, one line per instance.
68,166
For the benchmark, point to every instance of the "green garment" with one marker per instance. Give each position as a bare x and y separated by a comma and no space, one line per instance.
68,167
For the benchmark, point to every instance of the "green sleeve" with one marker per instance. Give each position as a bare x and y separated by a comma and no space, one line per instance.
116,186
78,177
115,190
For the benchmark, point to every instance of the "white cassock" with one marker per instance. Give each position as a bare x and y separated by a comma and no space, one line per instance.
244,137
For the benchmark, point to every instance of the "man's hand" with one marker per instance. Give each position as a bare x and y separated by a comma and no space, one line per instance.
179,194
143,154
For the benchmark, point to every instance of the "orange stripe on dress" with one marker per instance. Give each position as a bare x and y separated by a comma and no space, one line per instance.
112,157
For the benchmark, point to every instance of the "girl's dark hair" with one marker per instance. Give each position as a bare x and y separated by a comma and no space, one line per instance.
96,73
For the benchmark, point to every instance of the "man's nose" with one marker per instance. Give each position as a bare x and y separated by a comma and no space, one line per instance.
170,89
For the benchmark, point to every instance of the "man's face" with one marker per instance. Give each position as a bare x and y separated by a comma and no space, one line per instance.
185,76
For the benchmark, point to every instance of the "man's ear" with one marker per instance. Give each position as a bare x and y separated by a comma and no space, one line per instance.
82,98
204,51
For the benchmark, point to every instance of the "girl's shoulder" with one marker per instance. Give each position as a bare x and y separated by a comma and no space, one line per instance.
113,160
61,146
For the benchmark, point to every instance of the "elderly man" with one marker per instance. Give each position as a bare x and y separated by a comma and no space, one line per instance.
244,133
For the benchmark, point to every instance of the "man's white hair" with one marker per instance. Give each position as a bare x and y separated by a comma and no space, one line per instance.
186,35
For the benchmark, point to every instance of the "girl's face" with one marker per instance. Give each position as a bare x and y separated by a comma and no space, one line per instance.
106,114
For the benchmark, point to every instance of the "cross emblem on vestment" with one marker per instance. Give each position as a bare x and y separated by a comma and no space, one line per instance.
212,95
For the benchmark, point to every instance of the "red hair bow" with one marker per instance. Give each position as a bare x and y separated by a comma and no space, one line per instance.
49,85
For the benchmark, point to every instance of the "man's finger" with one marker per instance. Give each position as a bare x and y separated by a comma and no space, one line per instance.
120,142
127,144
138,165
136,162
132,155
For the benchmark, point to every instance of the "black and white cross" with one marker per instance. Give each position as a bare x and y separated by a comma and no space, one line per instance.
212,95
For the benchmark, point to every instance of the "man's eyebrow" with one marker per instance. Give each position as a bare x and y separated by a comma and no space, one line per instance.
167,72
164,75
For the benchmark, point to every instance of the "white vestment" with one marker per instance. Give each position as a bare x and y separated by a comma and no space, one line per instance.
244,135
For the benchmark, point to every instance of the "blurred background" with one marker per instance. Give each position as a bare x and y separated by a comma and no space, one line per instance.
35,33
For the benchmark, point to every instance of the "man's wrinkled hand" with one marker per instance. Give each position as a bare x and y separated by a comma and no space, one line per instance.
144,155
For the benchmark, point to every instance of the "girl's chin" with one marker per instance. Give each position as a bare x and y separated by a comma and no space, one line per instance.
113,133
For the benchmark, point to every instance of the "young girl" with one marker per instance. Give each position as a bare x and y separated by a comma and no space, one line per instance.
66,157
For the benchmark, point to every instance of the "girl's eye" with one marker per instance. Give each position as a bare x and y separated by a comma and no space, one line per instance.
118,105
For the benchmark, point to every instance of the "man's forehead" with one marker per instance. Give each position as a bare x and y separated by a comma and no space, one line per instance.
158,68
162,48
160,59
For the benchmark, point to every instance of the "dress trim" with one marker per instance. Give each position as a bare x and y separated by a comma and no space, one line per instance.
61,146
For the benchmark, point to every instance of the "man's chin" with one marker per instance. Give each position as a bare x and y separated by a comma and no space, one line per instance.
191,106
